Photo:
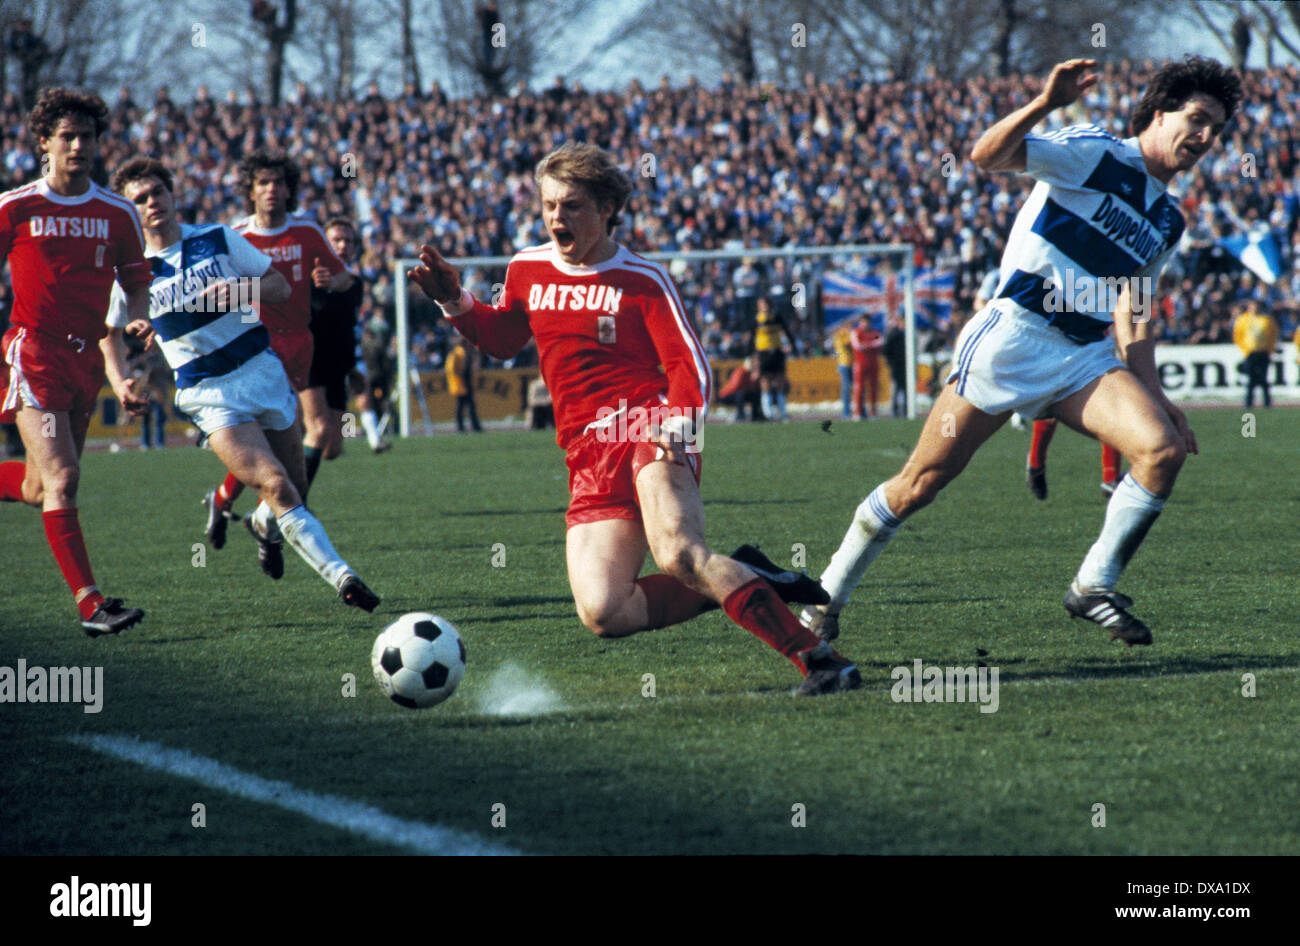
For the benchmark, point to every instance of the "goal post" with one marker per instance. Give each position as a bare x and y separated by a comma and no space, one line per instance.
800,288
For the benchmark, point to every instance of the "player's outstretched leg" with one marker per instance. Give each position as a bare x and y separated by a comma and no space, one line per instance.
1118,410
953,431
1036,462
793,587
673,519
255,456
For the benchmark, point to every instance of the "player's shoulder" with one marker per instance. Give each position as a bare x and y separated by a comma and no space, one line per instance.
306,222
243,224
533,254
19,194
112,199
1080,133
634,265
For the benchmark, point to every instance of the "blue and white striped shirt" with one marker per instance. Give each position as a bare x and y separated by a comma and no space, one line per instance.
197,342
1095,215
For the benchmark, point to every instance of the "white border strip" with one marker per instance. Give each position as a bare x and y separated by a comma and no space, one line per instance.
365,820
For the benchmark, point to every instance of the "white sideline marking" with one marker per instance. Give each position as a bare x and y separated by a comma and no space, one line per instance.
332,810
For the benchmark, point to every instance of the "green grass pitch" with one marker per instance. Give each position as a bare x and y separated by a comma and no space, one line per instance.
233,667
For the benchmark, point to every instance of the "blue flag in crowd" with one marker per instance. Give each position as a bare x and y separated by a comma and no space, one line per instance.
1258,251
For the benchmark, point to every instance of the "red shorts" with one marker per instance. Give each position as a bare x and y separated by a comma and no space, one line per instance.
294,350
50,374
602,478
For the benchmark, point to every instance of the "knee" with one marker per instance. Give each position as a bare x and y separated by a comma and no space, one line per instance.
277,486
599,617
1167,457
61,483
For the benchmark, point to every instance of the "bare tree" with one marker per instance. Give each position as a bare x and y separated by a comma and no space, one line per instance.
491,45
277,25
1233,24
92,44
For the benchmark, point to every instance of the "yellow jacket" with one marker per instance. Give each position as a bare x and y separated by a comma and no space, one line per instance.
455,368
1254,332
843,351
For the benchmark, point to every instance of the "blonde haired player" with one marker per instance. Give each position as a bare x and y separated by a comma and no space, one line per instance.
630,386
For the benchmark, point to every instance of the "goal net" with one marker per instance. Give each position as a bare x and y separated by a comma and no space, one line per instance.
815,290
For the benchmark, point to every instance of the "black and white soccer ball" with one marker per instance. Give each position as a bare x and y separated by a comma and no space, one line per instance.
418,660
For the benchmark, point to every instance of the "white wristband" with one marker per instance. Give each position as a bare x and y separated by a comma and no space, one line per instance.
460,306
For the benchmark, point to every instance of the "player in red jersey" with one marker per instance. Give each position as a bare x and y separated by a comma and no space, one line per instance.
630,385
301,253
67,239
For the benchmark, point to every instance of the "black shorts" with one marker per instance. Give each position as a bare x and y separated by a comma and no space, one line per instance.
771,362
330,364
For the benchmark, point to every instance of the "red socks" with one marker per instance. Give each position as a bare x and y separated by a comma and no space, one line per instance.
756,608
63,532
1043,431
228,491
1109,464
670,602
12,474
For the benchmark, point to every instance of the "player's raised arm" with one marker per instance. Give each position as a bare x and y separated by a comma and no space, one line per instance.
1002,147
500,331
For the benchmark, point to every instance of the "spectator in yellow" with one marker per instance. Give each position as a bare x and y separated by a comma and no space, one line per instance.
844,361
1255,333
460,384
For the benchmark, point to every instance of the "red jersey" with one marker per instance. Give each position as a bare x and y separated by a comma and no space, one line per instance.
294,246
64,254
610,336
865,340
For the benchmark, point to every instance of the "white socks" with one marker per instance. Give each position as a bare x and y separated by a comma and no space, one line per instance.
874,524
1129,514
370,423
304,532
264,519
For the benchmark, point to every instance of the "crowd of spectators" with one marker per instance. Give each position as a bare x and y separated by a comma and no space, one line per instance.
734,166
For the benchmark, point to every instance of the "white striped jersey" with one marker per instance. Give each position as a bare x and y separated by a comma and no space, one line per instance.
1094,217
198,342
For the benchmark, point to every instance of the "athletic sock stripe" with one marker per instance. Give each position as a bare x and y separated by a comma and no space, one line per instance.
878,509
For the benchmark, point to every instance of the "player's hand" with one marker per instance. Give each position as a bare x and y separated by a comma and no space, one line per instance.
672,437
143,330
320,274
133,403
1068,81
436,278
1182,426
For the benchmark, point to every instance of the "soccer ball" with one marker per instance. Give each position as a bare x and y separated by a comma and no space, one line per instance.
418,660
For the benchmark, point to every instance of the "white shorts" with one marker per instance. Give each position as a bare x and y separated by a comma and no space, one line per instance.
1007,361
258,390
